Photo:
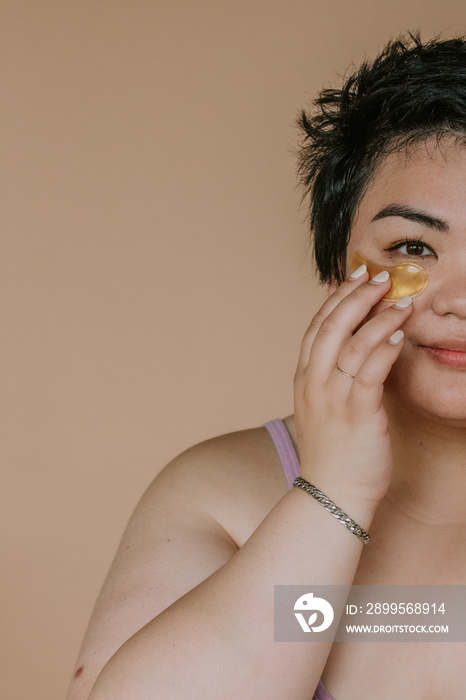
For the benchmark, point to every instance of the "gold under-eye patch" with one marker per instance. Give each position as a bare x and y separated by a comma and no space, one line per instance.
407,278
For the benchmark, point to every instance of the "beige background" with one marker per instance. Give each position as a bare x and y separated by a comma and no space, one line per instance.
155,283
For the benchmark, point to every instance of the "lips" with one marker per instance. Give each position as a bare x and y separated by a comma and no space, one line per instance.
454,355
447,345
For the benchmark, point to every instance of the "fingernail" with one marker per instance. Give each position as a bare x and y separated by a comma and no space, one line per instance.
403,303
396,337
358,272
381,277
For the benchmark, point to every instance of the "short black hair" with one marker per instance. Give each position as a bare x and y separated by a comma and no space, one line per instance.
410,92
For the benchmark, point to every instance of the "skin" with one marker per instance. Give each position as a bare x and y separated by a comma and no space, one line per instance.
425,400
420,523
398,468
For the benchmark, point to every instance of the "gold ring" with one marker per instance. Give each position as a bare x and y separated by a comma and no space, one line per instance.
343,372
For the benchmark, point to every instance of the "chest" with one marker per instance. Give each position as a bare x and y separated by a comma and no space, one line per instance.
425,671
385,670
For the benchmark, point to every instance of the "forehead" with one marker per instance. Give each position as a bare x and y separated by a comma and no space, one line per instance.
430,178
430,174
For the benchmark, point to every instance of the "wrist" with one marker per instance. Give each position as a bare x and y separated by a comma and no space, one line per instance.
357,505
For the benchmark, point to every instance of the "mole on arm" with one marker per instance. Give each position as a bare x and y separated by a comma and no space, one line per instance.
79,671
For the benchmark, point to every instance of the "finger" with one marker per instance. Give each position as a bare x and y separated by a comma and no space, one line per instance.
377,309
366,392
339,325
375,331
346,288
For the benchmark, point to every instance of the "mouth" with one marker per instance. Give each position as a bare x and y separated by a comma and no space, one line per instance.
452,356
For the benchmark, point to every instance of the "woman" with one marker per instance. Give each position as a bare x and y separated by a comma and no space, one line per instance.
379,428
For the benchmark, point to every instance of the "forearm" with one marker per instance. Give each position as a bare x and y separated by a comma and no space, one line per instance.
217,640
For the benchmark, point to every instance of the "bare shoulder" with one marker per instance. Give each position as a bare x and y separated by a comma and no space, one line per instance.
191,520
235,479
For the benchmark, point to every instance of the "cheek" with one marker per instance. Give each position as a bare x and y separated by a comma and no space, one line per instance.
408,379
427,391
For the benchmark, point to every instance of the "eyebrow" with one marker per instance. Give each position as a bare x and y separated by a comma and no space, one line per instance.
416,215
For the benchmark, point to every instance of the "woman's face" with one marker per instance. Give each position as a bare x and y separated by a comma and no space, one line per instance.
415,210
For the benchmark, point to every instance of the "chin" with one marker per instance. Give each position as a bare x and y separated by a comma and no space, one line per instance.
437,393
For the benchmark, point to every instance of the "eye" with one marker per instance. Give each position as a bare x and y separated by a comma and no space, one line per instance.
414,248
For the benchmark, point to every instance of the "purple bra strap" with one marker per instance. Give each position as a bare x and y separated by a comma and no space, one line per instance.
285,449
321,693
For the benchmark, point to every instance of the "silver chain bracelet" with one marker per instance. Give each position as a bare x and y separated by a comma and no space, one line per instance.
332,509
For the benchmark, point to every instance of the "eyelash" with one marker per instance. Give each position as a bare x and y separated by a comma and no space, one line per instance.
406,241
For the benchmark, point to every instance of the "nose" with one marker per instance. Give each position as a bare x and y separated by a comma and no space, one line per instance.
449,289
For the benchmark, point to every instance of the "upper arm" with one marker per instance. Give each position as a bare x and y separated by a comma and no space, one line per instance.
173,541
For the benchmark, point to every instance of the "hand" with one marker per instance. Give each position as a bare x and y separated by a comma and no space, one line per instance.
341,423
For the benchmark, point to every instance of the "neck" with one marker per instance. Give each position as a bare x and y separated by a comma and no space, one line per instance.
429,477
428,486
